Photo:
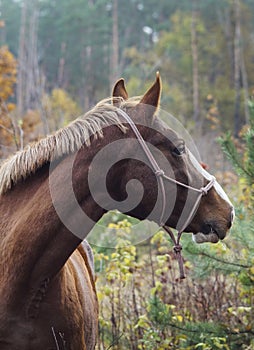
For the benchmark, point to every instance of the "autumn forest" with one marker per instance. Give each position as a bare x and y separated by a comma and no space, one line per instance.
59,58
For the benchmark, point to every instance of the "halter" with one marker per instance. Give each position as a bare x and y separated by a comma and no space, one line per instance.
161,177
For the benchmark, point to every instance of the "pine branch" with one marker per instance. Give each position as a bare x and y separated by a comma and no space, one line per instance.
249,139
251,109
224,261
233,156
207,329
190,329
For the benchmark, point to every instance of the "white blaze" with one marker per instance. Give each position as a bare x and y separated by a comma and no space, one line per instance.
212,237
209,177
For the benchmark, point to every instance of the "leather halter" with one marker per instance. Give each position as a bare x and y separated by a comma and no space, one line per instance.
161,177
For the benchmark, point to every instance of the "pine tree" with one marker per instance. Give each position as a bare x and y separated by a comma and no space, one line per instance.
243,160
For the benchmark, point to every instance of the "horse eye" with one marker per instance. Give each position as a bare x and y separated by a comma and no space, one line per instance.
179,150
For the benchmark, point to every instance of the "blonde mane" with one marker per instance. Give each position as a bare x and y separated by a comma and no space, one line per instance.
65,141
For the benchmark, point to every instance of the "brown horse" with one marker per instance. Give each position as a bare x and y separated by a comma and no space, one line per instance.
47,290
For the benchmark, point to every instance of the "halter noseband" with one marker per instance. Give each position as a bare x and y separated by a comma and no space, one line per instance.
161,177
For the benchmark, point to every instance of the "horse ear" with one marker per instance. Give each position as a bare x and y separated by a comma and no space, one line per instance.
119,90
152,96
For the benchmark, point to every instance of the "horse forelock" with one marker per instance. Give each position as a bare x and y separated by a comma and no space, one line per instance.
63,142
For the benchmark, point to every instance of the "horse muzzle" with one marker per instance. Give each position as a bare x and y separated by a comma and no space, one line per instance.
214,232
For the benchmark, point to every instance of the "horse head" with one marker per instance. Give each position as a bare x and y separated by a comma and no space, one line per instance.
178,176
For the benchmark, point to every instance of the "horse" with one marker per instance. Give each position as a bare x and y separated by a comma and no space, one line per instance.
47,285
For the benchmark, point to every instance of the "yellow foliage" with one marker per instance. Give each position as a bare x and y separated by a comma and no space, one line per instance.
60,108
8,72
32,126
11,107
159,238
246,196
6,130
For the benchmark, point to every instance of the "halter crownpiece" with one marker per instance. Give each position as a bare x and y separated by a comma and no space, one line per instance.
161,177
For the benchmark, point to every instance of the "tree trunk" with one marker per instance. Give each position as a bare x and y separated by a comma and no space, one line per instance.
86,57
237,67
60,78
22,61
35,81
225,20
31,59
195,72
115,46
245,89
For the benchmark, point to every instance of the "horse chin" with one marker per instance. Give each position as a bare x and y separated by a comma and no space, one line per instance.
201,237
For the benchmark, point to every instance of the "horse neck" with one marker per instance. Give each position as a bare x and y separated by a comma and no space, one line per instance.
35,243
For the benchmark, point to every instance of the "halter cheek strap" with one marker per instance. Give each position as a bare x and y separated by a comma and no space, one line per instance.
161,177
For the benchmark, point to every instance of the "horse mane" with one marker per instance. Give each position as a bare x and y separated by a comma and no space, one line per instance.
63,142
